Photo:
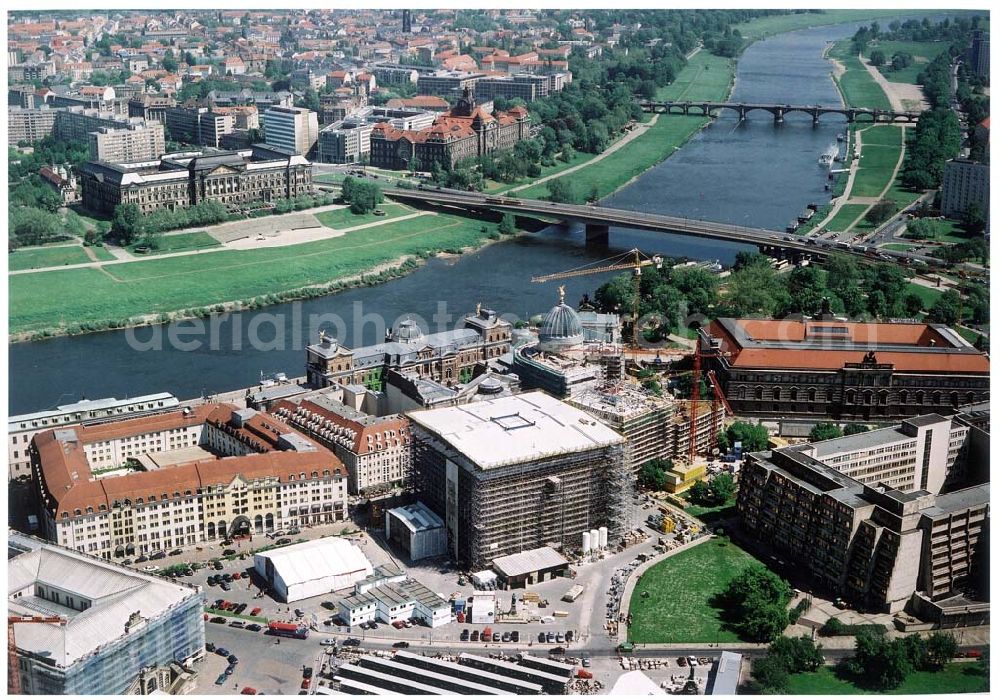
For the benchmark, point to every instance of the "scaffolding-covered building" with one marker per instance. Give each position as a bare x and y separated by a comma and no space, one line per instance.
519,472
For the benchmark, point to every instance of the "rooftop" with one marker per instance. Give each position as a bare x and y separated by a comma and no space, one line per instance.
115,594
418,517
317,559
528,562
514,429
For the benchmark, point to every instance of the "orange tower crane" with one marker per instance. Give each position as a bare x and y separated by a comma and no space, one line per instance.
13,672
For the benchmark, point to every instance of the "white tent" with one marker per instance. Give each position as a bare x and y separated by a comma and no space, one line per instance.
312,568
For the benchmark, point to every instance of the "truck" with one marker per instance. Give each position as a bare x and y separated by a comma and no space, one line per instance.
573,593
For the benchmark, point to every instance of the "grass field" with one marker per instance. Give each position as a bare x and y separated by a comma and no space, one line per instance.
706,77
680,588
856,85
345,218
51,256
768,26
880,149
953,678
193,240
927,294
923,52
847,214
62,298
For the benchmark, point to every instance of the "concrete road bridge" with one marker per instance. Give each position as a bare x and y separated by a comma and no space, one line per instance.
598,220
852,114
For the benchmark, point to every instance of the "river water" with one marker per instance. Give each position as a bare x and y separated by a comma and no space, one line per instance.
752,174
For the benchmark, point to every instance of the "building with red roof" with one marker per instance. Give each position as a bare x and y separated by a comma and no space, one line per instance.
156,482
837,369
466,131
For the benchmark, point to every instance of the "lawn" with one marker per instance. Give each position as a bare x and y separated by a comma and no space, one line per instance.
705,77
880,149
923,53
776,24
711,515
345,218
62,298
178,242
953,678
51,256
846,216
928,295
856,85
680,588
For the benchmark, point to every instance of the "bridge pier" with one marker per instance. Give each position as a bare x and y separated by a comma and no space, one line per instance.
598,234
815,116
779,116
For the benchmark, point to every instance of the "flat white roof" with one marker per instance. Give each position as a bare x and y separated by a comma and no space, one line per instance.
417,517
529,562
514,429
316,559
634,683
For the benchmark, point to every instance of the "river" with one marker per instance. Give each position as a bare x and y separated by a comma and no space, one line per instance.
752,174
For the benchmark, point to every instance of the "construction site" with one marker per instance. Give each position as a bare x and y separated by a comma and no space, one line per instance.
520,472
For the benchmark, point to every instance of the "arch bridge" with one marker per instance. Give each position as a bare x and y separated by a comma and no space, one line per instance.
851,114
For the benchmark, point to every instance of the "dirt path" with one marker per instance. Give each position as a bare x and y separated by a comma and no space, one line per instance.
903,97
888,186
627,138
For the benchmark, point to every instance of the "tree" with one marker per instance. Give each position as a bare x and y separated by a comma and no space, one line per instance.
653,474
126,224
877,58
855,428
721,488
753,438
974,219
698,493
941,648
560,191
824,431
881,663
880,211
507,225
769,676
169,63
913,303
797,654
756,601
946,309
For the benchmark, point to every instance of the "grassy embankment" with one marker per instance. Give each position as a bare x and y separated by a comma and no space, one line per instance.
953,678
53,255
87,299
768,26
345,218
680,589
923,52
705,77
179,242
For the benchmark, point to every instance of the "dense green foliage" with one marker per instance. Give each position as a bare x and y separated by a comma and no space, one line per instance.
129,224
785,656
714,492
937,137
363,196
825,431
883,664
756,604
653,474
752,437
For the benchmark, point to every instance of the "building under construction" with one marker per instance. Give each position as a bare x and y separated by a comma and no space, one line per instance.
520,472
655,427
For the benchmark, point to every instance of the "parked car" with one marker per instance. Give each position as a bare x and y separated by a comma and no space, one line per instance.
352,642
464,637
541,637
247,690
306,683
219,620
401,645
227,578
408,623
212,581
221,680
373,625
126,562
496,636
569,635
586,661
515,636
226,586
328,605
240,608
307,672
254,627
298,612
158,555
284,540
232,659
226,542
681,661
141,558
255,612
218,566
175,552
557,651
295,531
151,568
560,638
210,647
222,651
228,552
475,636
237,575
550,637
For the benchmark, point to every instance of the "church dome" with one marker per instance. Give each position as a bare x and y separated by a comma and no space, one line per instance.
561,328
407,332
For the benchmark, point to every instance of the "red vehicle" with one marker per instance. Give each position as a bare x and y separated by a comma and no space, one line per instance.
583,673
247,690
487,634
305,683
973,654
255,612
288,629
398,624
236,575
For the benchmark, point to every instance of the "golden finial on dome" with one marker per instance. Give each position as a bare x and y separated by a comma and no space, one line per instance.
562,294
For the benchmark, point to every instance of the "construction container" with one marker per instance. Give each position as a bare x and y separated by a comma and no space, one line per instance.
586,542
602,532
595,539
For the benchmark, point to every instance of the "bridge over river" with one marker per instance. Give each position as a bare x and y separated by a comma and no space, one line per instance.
598,221
852,114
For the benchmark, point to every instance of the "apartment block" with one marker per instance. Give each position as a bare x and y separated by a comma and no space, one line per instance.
965,183
127,145
888,538
447,83
29,125
197,125
292,128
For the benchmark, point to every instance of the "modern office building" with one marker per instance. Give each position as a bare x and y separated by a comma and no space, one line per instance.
236,179
148,484
851,371
965,182
201,126
131,144
126,632
377,451
389,74
447,356
445,83
292,128
524,86
21,429
349,140
519,472
866,518
467,131
978,54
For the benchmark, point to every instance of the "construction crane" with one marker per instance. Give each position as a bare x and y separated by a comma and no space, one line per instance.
718,397
13,672
632,260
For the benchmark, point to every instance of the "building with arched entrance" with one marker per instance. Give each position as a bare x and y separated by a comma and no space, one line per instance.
154,483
